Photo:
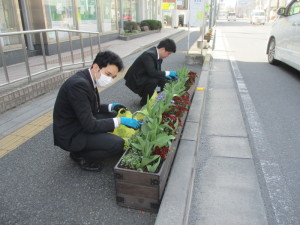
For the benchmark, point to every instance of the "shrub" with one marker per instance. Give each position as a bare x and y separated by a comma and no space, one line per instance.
152,24
130,26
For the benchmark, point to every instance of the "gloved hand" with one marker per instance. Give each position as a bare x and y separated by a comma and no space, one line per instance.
173,75
117,106
131,123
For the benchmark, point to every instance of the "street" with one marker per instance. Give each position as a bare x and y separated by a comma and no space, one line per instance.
271,99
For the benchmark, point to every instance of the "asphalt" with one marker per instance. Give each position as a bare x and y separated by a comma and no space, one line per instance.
212,181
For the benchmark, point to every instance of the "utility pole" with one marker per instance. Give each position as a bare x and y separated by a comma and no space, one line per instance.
211,13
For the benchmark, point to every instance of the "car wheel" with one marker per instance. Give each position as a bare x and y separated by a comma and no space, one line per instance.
271,52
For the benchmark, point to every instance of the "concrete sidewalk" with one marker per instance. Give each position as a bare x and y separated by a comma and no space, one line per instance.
226,189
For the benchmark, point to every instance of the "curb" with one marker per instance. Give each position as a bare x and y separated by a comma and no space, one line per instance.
175,205
138,35
28,92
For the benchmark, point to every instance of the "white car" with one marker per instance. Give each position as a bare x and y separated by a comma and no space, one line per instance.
258,17
284,41
231,16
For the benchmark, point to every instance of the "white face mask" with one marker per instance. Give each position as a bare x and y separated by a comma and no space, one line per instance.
103,80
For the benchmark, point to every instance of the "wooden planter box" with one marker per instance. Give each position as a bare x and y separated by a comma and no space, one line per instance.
143,190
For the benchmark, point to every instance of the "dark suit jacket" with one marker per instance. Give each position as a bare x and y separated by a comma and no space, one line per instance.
74,112
144,67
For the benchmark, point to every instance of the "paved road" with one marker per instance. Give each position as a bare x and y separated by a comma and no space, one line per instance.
272,110
41,185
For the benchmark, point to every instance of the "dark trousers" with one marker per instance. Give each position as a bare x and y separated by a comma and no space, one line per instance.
149,88
102,145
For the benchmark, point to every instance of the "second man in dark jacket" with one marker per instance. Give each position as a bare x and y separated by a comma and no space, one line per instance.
145,74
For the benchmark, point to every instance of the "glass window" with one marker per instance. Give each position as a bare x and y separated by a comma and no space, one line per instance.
109,15
149,9
59,15
9,21
259,14
127,14
134,10
87,15
295,8
137,10
154,15
113,12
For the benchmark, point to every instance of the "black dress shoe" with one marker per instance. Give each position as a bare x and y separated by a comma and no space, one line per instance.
86,164
76,157
91,165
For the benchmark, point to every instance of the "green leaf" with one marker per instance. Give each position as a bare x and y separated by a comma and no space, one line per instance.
163,139
146,161
136,145
152,168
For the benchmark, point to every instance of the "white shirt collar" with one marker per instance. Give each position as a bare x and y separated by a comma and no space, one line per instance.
92,78
157,53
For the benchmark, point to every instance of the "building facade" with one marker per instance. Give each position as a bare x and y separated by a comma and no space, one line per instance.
104,16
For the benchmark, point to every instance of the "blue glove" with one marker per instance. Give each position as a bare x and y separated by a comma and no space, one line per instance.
117,106
173,75
131,123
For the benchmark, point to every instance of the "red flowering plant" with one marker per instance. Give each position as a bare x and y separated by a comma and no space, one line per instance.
172,121
151,145
191,80
162,151
181,104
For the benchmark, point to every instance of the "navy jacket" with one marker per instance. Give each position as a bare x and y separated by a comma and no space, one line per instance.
144,67
74,112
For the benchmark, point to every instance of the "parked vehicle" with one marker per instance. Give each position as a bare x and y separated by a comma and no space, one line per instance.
284,40
258,17
231,16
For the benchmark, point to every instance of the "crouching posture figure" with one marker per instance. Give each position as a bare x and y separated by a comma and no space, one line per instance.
145,74
81,123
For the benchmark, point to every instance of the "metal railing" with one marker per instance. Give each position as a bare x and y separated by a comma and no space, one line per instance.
89,49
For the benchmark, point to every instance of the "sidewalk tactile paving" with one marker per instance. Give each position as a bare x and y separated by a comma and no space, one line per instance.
23,134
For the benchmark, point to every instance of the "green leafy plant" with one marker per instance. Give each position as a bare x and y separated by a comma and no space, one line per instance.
150,146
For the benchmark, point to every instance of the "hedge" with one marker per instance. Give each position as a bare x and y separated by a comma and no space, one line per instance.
130,25
152,24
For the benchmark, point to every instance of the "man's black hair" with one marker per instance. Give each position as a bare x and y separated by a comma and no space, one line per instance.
108,58
168,44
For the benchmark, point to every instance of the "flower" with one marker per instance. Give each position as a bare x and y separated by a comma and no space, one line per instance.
162,151
160,96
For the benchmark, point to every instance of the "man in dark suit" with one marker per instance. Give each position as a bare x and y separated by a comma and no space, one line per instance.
145,74
81,123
